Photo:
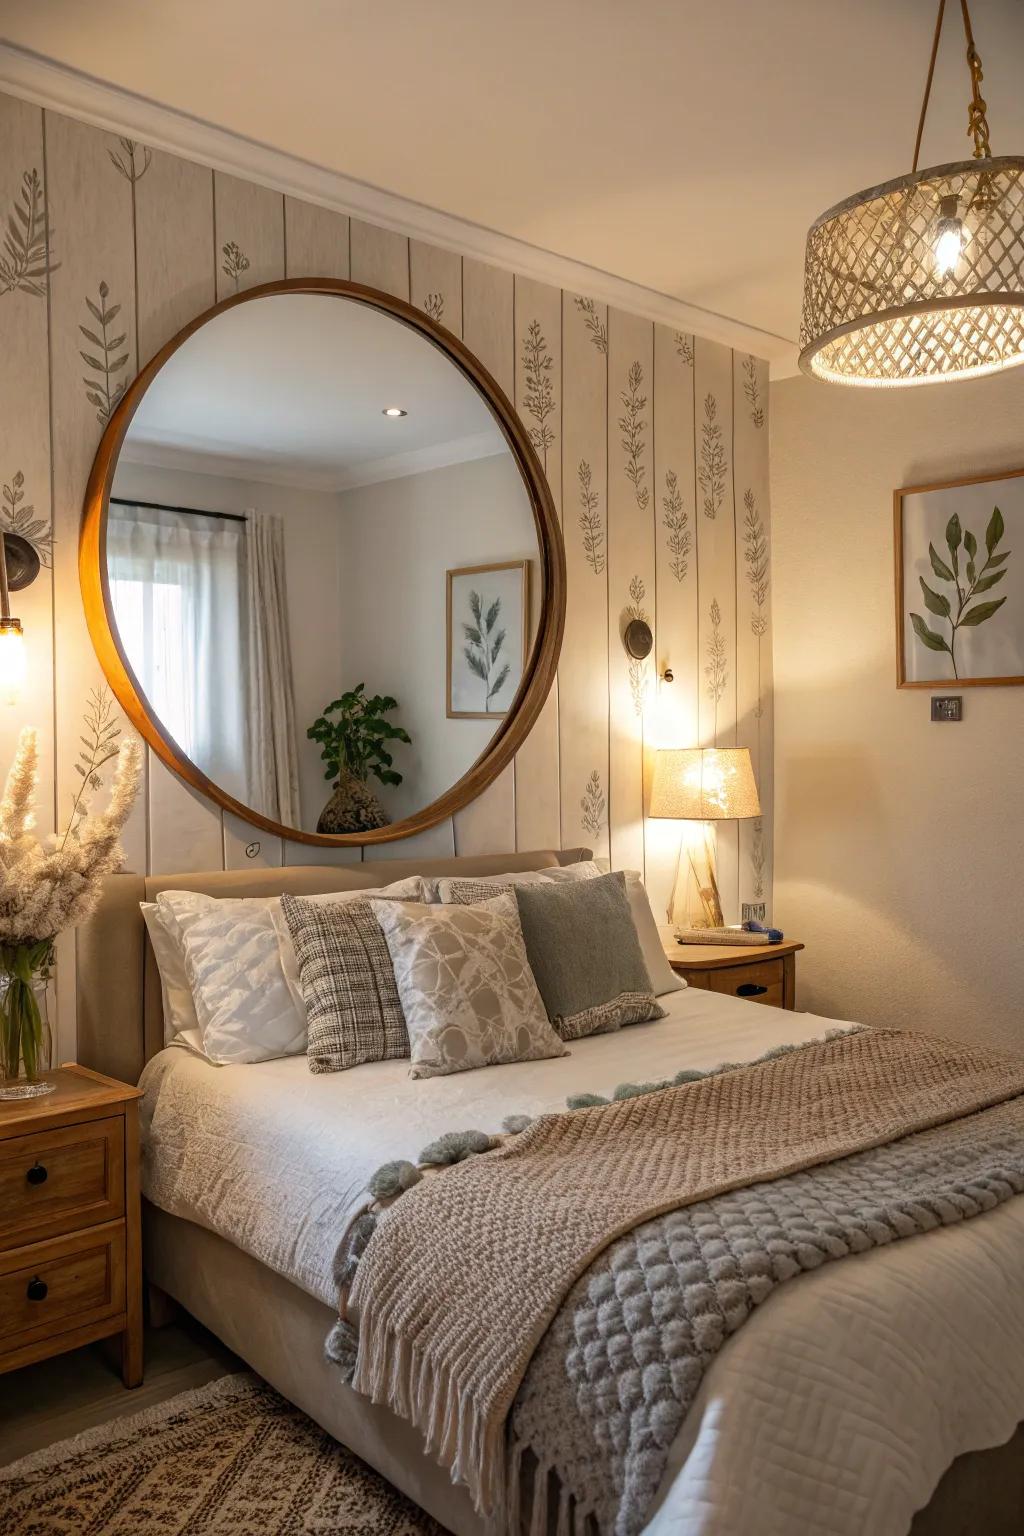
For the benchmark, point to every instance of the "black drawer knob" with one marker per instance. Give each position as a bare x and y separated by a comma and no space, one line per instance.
750,989
37,1174
36,1289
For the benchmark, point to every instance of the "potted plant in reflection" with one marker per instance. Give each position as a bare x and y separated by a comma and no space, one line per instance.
354,738
49,884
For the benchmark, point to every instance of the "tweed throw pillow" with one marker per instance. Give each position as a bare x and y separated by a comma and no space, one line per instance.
348,983
467,991
586,956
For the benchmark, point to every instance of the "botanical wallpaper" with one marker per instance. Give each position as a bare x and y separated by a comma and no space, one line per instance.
654,443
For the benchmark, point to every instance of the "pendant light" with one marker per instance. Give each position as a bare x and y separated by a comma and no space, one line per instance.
921,279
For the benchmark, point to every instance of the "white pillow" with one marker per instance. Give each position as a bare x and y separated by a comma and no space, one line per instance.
663,978
239,968
233,967
181,1027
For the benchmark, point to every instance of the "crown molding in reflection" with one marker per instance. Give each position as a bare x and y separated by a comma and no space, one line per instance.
56,86
194,460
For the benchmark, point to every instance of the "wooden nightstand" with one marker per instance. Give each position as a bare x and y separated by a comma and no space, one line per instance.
70,1251
764,973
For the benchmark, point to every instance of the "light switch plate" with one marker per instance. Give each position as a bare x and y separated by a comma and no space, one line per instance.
947,706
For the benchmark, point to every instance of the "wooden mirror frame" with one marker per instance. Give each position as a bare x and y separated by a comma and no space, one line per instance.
538,674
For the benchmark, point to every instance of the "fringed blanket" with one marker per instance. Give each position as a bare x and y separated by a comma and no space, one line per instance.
465,1273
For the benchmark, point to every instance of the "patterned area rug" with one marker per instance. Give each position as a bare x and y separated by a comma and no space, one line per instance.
230,1459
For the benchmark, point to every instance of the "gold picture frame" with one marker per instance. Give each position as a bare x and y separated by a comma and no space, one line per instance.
487,661
955,573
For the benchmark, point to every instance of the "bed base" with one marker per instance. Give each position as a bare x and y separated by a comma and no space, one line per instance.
279,1331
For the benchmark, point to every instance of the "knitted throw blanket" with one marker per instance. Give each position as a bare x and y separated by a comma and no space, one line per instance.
465,1272
615,1375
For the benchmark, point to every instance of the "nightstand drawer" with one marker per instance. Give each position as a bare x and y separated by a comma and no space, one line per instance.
66,1283
60,1180
760,983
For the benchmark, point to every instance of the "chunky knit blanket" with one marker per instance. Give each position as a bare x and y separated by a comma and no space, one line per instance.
464,1274
607,1391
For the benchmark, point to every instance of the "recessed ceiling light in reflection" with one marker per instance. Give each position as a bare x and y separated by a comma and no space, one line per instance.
394,411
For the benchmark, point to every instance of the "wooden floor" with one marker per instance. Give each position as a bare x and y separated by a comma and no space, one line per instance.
57,1398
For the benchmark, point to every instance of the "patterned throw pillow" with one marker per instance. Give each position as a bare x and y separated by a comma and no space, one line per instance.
467,990
348,983
586,956
478,887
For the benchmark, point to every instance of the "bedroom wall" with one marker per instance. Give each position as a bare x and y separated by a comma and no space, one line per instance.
400,538
654,442
899,842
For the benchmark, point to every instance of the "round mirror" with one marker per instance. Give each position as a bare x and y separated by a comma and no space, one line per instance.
321,564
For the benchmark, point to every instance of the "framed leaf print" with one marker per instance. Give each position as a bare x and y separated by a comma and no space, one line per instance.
960,582
487,625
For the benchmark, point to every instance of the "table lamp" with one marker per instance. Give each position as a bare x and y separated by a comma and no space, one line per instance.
703,784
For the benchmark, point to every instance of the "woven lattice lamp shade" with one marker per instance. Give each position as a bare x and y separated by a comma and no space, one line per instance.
881,309
704,784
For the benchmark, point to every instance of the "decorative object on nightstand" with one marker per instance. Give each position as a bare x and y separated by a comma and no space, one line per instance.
49,885
763,974
70,1247
703,785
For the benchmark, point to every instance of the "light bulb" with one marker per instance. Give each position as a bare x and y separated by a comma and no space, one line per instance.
950,238
12,660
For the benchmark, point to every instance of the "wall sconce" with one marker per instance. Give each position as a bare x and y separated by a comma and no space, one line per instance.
19,567
638,639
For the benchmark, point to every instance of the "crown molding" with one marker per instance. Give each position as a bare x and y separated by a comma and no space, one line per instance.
59,88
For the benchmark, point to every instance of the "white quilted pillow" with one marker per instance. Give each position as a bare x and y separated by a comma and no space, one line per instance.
247,1007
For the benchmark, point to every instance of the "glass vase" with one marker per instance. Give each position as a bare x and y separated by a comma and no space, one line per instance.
26,1043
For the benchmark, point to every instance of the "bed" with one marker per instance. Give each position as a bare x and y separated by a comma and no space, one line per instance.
838,1407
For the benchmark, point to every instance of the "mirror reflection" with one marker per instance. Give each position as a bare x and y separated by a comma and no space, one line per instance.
321,560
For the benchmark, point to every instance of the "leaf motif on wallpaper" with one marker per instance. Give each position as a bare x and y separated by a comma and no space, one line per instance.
25,261
593,806
124,159
684,347
711,474
99,744
590,521
758,858
716,671
755,558
433,305
752,390
632,425
968,582
637,669
594,324
235,261
107,360
677,526
21,519
539,394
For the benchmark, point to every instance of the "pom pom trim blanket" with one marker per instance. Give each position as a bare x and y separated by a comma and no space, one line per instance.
463,1275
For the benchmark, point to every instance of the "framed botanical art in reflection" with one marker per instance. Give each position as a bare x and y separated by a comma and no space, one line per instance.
487,626
960,582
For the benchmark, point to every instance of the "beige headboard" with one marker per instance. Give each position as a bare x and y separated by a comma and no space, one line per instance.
120,1021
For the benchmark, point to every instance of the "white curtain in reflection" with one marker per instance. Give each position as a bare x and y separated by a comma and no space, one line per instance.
176,585
272,758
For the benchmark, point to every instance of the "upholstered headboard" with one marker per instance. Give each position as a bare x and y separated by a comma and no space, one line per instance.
120,1021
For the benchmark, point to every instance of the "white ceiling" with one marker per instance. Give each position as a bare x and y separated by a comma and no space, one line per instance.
291,388
685,146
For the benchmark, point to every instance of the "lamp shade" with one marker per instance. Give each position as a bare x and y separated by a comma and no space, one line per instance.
704,784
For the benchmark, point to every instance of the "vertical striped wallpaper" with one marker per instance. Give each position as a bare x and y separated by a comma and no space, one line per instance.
655,444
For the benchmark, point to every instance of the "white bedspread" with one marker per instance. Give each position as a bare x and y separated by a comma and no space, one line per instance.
861,1382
